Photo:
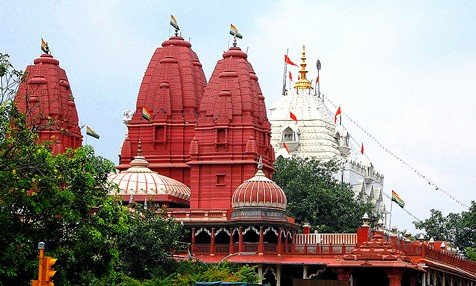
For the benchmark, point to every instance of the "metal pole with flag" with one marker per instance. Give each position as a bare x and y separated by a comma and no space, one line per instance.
284,74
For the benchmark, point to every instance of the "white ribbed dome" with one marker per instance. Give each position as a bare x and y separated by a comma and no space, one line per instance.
259,191
139,181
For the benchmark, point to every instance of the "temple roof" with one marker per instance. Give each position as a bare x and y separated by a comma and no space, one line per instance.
46,98
173,83
259,191
143,184
233,95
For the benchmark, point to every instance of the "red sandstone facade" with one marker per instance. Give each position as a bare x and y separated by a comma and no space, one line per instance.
46,98
210,137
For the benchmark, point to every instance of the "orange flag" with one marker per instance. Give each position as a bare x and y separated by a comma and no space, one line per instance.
362,149
288,61
290,76
338,112
292,116
286,147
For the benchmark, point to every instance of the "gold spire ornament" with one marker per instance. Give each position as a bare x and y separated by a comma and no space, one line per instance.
303,82
44,46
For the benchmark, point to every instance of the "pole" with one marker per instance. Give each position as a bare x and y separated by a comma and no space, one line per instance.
390,222
284,74
318,84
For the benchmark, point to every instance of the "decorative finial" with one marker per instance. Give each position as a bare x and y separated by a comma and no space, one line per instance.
303,82
44,46
139,148
234,32
173,23
260,163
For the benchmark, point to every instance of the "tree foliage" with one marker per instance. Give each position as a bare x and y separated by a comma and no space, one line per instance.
457,228
62,200
316,197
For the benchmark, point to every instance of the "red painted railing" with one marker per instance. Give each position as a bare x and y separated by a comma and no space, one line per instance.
449,259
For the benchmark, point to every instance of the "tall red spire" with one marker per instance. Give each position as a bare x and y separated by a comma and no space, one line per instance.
170,92
231,134
45,97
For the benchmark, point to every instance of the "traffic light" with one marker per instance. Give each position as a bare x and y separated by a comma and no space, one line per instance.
49,272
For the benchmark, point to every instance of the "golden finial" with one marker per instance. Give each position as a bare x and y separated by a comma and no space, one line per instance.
139,148
303,82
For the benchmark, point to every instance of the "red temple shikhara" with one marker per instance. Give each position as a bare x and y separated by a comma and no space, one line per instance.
203,151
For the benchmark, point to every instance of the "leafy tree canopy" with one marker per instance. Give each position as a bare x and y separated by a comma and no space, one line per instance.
457,228
316,197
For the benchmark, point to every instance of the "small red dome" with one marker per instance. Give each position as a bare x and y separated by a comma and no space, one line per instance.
259,191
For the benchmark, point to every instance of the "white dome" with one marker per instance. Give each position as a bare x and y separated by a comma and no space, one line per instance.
145,184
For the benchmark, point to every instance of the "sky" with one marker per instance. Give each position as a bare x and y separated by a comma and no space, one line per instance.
403,70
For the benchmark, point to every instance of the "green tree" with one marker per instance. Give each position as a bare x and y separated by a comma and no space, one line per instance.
147,244
457,228
315,197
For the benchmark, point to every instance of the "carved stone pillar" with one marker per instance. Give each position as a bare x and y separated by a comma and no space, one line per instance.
278,275
304,272
240,241
231,248
212,244
261,241
280,242
193,240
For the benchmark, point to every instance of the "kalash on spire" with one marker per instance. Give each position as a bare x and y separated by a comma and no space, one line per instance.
303,82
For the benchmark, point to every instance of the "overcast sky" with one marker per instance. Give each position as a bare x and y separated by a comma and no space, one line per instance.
404,70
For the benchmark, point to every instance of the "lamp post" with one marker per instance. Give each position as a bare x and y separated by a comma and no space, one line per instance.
318,66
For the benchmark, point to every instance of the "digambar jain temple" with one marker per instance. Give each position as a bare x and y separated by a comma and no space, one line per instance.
205,152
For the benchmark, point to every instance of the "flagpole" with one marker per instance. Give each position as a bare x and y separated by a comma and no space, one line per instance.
284,74
390,222
318,65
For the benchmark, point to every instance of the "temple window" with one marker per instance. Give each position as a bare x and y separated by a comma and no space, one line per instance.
289,135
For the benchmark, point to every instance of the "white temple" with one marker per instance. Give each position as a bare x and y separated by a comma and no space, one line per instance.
302,125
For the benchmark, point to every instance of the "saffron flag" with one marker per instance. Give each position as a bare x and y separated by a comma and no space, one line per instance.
44,46
338,112
290,76
234,32
288,61
173,22
317,79
362,149
286,147
292,116
396,198
145,114
91,132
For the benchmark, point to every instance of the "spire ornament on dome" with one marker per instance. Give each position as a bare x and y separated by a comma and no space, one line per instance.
234,32
139,148
173,23
44,47
303,82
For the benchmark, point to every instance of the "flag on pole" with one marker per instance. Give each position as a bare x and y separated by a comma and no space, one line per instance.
396,198
91,132
173,22
288,61
44,46
290,76
317,79
145,114
362,149
338,112
234,32
286,147
292,116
